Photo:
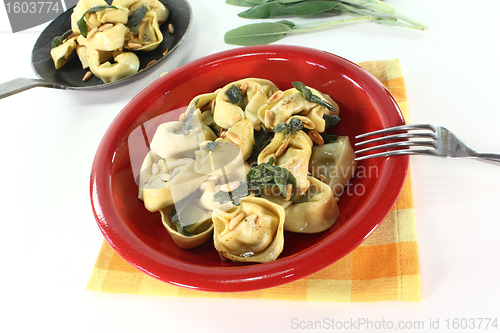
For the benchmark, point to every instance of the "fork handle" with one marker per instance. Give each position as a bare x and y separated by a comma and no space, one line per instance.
488,158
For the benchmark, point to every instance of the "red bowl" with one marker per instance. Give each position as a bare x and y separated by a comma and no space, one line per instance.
139,236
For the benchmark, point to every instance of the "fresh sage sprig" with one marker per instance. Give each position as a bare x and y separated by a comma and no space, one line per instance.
269,32
82,24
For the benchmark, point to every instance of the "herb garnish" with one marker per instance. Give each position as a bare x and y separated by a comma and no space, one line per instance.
293,126
60,39
135,19
82,25
260,177
262,139
308,95
331,120
211,146
234,94
269,32
186,125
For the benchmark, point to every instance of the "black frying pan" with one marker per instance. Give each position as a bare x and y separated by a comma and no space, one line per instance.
71,74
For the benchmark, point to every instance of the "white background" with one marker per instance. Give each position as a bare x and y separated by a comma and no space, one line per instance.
49,137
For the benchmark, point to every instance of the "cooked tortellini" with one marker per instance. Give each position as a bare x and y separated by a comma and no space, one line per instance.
252,231
130,25
243,165
254,93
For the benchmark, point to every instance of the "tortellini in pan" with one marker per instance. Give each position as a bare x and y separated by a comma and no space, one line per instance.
251,162
96,27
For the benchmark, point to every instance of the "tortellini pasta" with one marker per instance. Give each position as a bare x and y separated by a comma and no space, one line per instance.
255,93
109,31
252,231
226,170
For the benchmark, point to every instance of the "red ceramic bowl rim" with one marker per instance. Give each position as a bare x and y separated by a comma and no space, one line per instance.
245,278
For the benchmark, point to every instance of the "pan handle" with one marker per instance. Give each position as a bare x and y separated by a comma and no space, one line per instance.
21,84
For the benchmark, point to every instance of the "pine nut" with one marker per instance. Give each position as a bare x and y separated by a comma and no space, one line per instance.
87,76
223,134
269,119
316,137
155,169
150,63
236,220
105,26
134,46
289,188
234,119
275,97
170,28
166,51
229,186
182,118
234,138
91,33
281,150
244,88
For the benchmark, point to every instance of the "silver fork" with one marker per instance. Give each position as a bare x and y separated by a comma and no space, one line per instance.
422,139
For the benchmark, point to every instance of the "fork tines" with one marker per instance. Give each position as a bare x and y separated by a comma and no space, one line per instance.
397,141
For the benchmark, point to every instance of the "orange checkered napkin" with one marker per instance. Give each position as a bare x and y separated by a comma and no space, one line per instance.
384,267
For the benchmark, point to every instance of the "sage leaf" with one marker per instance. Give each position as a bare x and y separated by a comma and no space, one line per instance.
135,19
308,95
257,33
234,94
331,121
262,139
277,9
82,25
60,39
329,138
186,125
293,126
211,146
246,3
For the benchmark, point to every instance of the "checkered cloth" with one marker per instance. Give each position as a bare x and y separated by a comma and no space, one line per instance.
385,267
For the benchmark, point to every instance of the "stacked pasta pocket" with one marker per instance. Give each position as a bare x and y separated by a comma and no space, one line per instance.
243,164
101,33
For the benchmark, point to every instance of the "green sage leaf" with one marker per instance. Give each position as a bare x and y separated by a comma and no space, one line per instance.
234,94
186,126
293,126
277,9
211,146
331,121
246,3
258,33
60,39
308,95
82,25
262,139
135,19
